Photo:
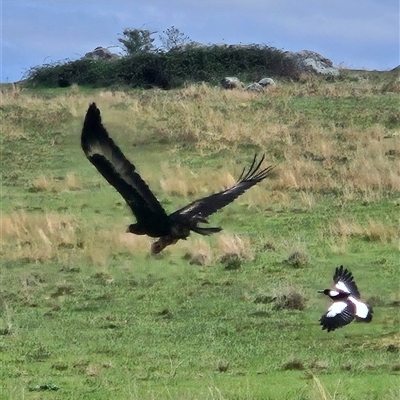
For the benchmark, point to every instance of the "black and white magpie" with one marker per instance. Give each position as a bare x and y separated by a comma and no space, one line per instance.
347,305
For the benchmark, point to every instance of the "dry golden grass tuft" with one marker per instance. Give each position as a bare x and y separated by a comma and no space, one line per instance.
40,237
222,180
195,92
133,243
308,199
370,172
181,181
229,250
321,392
101,245
305,176
380,231
339,233
298,256
176,181
41,112
6,322
389,342
42,184
374,230
344,227
199,252
288,297
230,245
12,131
36,237
72,181
50,184
280,199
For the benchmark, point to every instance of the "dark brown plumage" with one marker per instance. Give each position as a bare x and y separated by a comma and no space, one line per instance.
151,218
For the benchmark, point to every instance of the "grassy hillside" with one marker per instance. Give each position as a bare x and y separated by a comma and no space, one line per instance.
86,310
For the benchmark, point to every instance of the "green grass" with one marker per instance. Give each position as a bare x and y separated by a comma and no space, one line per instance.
85,313
161,326
352,111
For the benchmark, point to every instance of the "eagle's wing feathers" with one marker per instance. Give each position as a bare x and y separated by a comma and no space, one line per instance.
109,160
202,208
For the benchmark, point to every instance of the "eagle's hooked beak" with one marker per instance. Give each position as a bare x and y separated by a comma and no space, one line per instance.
161,244
157,247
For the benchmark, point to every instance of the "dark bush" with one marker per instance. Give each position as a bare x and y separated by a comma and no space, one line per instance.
167,69
82,72
142,70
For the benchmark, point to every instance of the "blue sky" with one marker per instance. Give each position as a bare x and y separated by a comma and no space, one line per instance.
355,33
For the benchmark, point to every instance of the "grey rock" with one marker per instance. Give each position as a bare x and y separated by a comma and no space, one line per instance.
255,87
312,62
231,82
266,82
101,53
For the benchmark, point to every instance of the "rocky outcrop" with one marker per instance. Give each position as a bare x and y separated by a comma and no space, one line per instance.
190,46
312,62
101,53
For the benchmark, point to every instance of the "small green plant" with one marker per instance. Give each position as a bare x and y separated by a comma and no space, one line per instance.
298,258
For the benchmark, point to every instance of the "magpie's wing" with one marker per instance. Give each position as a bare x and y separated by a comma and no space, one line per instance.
339,314
202,208
344,282
109,160
363,312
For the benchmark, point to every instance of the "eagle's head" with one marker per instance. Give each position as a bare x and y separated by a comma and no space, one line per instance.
159,245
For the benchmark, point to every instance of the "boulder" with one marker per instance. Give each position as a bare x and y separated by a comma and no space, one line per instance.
255,87
219,45
189,46
266,82
231,82
101,53
312,62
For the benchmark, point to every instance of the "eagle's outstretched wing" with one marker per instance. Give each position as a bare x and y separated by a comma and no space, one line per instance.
202,208
109,160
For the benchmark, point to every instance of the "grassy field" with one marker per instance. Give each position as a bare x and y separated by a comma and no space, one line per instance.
87,313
